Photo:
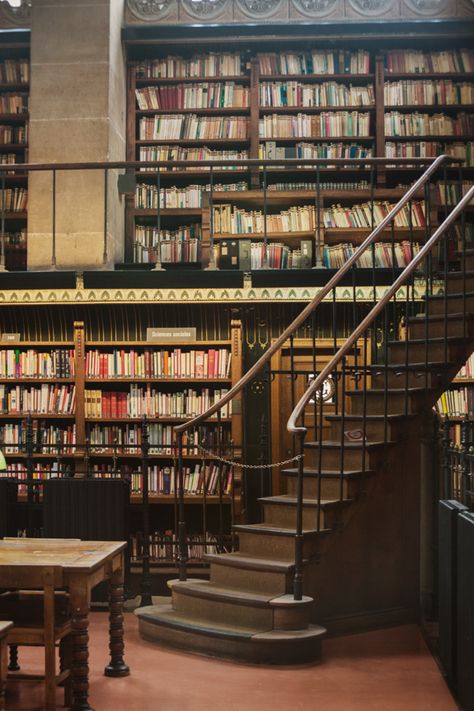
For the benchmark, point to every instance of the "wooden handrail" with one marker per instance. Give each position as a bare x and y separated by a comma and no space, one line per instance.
242,163
301,318
373,313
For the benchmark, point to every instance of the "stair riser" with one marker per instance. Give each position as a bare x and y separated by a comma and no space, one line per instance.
242,579
374,431
437,306
330,488
417,352
216,611
416,379
395,403
274,547
285,516
467,263
458,285
332,459
436,329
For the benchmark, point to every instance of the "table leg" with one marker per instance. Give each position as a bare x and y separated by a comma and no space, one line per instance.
80,660
117,666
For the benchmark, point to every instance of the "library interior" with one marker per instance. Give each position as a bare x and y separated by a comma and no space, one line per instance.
237,355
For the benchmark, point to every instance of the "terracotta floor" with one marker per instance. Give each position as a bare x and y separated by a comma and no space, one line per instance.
388,670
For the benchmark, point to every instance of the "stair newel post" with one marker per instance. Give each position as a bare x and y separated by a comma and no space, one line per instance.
298,577
445,439
428,270
364,401
343,427
220,482
385,376
372,226
146,578
405,337
182,547
445,267
465,426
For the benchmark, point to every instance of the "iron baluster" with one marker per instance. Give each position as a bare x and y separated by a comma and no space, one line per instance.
445,440
298,577
182,543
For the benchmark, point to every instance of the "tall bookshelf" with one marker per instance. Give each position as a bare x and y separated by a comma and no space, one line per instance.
88,401
14,95
318,102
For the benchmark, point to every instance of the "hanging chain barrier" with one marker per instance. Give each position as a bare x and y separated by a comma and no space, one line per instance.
249,466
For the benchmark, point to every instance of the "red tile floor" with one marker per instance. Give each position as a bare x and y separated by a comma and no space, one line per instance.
387,670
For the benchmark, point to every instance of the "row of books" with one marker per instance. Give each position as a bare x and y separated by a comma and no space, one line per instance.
192,127
246,255
417,61
465,151
295,94
211,64
13,103
307,151
426,92
42,471
148,402
229,219
385,255
213,95
323,185
8,159
417,124
424,149
197,480
176,363
164,546
14,199
14,71
46,438
46,399
327,123
13,134
467,370
368,214
17,363
146,195
315,62
172,252
127,439
150,236
181,153
456,402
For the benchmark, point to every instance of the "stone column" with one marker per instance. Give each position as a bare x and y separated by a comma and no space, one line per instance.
77,114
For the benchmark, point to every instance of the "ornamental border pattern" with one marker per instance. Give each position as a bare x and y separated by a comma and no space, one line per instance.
36,297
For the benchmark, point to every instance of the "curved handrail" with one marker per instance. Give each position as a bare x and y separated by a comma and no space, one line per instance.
331,284
372,315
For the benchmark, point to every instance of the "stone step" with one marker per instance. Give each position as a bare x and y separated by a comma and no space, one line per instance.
399,375
452,303
372,427
209,602
457,325
281,511
416,350
329,454
277,542
160,623
394,401
250,572
459,282
329,485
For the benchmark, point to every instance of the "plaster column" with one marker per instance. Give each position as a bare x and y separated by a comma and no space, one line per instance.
77,114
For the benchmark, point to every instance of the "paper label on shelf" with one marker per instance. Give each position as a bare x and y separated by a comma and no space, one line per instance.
171,335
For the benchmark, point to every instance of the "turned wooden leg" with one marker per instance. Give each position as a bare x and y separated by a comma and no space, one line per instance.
80,661
117,666
13,662
65,662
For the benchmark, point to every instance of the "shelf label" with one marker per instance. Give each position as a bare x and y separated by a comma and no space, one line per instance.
11,337
171,335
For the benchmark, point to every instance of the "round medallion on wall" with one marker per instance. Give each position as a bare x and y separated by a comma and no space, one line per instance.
315,8
426,7
204,9
149,9
259,8
371,7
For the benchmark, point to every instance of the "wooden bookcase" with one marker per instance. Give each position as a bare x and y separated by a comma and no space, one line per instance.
319,102
87,400
14,95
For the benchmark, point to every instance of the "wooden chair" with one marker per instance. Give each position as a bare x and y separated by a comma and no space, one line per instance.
5,628
41,617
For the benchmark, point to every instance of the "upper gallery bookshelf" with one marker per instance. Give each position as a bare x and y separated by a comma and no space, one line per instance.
323,103
14,95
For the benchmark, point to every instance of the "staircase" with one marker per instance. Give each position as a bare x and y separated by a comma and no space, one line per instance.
325,549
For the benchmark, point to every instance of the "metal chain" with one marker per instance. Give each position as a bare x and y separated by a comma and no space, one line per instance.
249,466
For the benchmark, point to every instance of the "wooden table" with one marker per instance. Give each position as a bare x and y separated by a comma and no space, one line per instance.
84,564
